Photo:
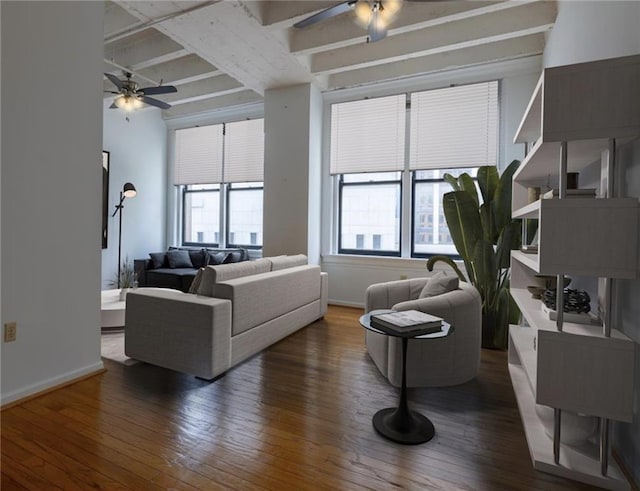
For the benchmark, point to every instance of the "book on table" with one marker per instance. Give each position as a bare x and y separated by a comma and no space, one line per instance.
409,322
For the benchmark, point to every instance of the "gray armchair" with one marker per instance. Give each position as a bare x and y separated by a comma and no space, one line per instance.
430,362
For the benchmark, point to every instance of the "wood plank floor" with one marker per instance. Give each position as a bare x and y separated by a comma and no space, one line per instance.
297,416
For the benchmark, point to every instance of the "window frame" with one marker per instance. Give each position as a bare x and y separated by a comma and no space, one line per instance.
184,191
369,252
228,190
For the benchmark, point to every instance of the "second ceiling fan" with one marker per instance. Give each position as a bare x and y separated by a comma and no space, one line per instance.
374,15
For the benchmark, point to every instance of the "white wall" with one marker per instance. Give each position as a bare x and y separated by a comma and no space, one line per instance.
51,192
593,30
138,155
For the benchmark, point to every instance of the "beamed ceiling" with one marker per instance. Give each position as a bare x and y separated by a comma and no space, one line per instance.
227,53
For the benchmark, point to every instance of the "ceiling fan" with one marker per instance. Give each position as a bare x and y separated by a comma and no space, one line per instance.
374,15
130,96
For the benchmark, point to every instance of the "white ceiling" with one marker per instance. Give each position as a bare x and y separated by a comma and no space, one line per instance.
227,53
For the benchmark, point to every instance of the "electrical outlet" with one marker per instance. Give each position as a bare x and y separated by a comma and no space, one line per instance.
10,331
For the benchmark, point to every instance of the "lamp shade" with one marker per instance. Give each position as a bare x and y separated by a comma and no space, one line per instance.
129,190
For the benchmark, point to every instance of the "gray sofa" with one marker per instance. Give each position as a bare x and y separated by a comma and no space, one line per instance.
239,310
430,362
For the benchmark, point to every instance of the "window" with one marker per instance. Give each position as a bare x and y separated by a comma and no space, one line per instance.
370,204
219,171
245,214
377,144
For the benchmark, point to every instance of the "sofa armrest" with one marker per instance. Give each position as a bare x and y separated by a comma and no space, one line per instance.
180,331
385,295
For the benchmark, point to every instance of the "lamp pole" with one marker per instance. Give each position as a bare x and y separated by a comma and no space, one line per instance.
128,191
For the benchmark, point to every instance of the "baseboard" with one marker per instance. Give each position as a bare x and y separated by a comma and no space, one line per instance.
36,390
340,303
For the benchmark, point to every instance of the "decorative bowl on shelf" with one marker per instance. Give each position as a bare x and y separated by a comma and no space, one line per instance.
536,291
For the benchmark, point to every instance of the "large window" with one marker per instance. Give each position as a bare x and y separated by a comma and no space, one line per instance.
219,171
379,144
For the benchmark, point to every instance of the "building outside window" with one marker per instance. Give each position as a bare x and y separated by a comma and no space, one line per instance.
450,130
219,171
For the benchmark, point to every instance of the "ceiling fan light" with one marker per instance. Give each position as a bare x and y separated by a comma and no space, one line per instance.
363,12
136,103
391,7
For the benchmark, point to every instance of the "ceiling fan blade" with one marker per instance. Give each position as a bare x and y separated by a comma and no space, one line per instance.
114,80
326,14
160,89
155,102
113,106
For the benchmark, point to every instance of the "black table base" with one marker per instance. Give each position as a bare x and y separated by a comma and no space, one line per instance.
410,429
401,425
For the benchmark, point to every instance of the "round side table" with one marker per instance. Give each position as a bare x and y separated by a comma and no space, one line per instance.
401,424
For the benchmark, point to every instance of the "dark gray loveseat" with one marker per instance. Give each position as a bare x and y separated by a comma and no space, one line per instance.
177,267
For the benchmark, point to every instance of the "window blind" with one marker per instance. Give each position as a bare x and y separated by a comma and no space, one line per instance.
198,158
454,127
368,135
244,151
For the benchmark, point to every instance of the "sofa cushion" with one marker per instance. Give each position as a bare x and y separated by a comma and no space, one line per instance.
159,260
223,272
262,297
284,262
214,258
179,259
197,257
438,284
233,257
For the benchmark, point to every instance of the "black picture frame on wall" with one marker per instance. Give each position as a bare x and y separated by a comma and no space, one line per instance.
106,157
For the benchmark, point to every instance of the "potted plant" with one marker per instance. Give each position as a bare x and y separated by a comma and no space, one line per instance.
484,234
128,278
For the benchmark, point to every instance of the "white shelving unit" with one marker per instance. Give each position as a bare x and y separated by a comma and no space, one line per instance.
586,109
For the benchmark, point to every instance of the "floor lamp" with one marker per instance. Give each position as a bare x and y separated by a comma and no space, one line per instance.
128,191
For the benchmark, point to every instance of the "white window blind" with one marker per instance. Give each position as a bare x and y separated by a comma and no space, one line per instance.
244,151
454,127
368,135
198,157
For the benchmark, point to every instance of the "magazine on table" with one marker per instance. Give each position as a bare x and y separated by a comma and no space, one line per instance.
407,322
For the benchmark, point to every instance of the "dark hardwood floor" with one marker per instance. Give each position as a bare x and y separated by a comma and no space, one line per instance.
297,416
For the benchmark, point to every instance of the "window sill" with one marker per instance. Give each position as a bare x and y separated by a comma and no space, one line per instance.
385,261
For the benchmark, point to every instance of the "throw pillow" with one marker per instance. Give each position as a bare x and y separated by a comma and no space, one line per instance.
233,257
179,259
158,260
195,284
197,257
216,258
438,284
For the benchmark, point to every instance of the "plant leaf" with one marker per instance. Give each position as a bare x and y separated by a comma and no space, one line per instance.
502,197
453,182
488,181
469,186
464,223
488,226
508,240
484,262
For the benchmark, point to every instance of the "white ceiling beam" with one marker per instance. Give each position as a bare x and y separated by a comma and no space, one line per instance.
211,104
343,31
230,37
488,28
477,55
203,89
117,19
186,69
143,49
